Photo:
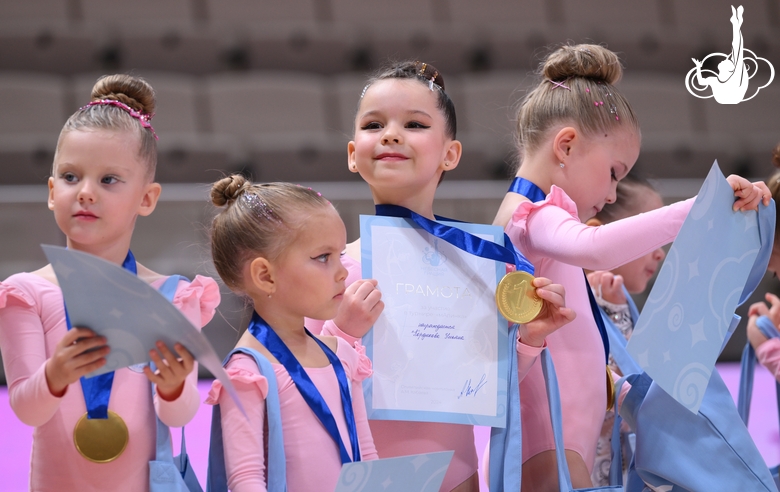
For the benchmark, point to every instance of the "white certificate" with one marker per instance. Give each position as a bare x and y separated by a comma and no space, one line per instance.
439,349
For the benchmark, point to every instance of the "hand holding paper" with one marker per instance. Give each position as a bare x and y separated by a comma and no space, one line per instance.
79,353
130,314
748,194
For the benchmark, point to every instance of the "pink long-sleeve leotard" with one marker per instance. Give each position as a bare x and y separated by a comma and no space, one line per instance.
32,322
313,460
550,234
400,438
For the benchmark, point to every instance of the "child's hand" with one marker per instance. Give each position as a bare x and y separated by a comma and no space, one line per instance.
79,352
761,309
360,308
748,194
608,286
755,337
171,372
553,315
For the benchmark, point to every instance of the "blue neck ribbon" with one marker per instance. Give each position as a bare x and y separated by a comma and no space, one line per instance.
460,238
263,332
522,186
97,390
529,190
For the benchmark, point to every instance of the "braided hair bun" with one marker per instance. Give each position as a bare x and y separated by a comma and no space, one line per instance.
228,189
133,91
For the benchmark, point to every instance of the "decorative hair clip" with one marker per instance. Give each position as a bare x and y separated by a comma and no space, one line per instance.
431,79
259,207
142,118
559,84
608,94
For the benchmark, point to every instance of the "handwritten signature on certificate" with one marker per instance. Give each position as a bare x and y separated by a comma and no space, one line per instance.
468,390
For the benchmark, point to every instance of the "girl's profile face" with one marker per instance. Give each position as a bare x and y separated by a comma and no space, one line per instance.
637,273
311,278
99,185
400,136
595,166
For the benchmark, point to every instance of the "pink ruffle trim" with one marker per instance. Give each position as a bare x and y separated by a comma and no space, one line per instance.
556,198
203,290
7,291
242,379
364,367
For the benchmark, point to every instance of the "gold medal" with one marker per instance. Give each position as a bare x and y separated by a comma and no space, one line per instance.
610,390
516,297
101,440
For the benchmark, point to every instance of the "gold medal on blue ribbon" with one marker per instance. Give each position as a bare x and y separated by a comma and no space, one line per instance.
516,297
101,440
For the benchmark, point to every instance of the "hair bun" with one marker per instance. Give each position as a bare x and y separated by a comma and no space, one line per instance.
133,91
583,60
228,189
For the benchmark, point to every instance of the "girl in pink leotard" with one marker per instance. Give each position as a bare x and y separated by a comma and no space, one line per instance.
578,137
404,143
280,245
102,181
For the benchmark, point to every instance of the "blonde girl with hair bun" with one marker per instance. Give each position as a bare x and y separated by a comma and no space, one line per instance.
578,137
102,181
280,245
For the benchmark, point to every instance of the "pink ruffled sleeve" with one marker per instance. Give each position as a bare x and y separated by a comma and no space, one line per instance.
198,301
243,438
23,344
551,229
358,367
768,354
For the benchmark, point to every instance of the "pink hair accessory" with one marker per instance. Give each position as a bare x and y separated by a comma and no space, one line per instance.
558,84
142,118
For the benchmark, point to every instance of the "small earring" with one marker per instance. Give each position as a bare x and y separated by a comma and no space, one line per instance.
269,296
562,165
446,164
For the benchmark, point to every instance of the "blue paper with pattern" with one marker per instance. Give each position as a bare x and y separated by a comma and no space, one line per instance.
690,311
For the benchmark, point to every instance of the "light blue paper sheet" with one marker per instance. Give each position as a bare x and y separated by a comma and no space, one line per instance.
439,347
131,314
416,473
687,316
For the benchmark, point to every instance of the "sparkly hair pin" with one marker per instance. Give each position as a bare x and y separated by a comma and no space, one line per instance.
608,95
259,207
143,118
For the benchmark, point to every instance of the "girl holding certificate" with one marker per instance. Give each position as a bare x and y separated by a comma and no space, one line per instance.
578,137
280,245
97,433
404,143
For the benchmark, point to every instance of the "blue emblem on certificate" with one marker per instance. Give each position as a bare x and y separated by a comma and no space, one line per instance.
439,348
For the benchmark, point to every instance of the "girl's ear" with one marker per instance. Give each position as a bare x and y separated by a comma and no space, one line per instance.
452,154
563,142
593,222
262,275
51,193
149,199
351,159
